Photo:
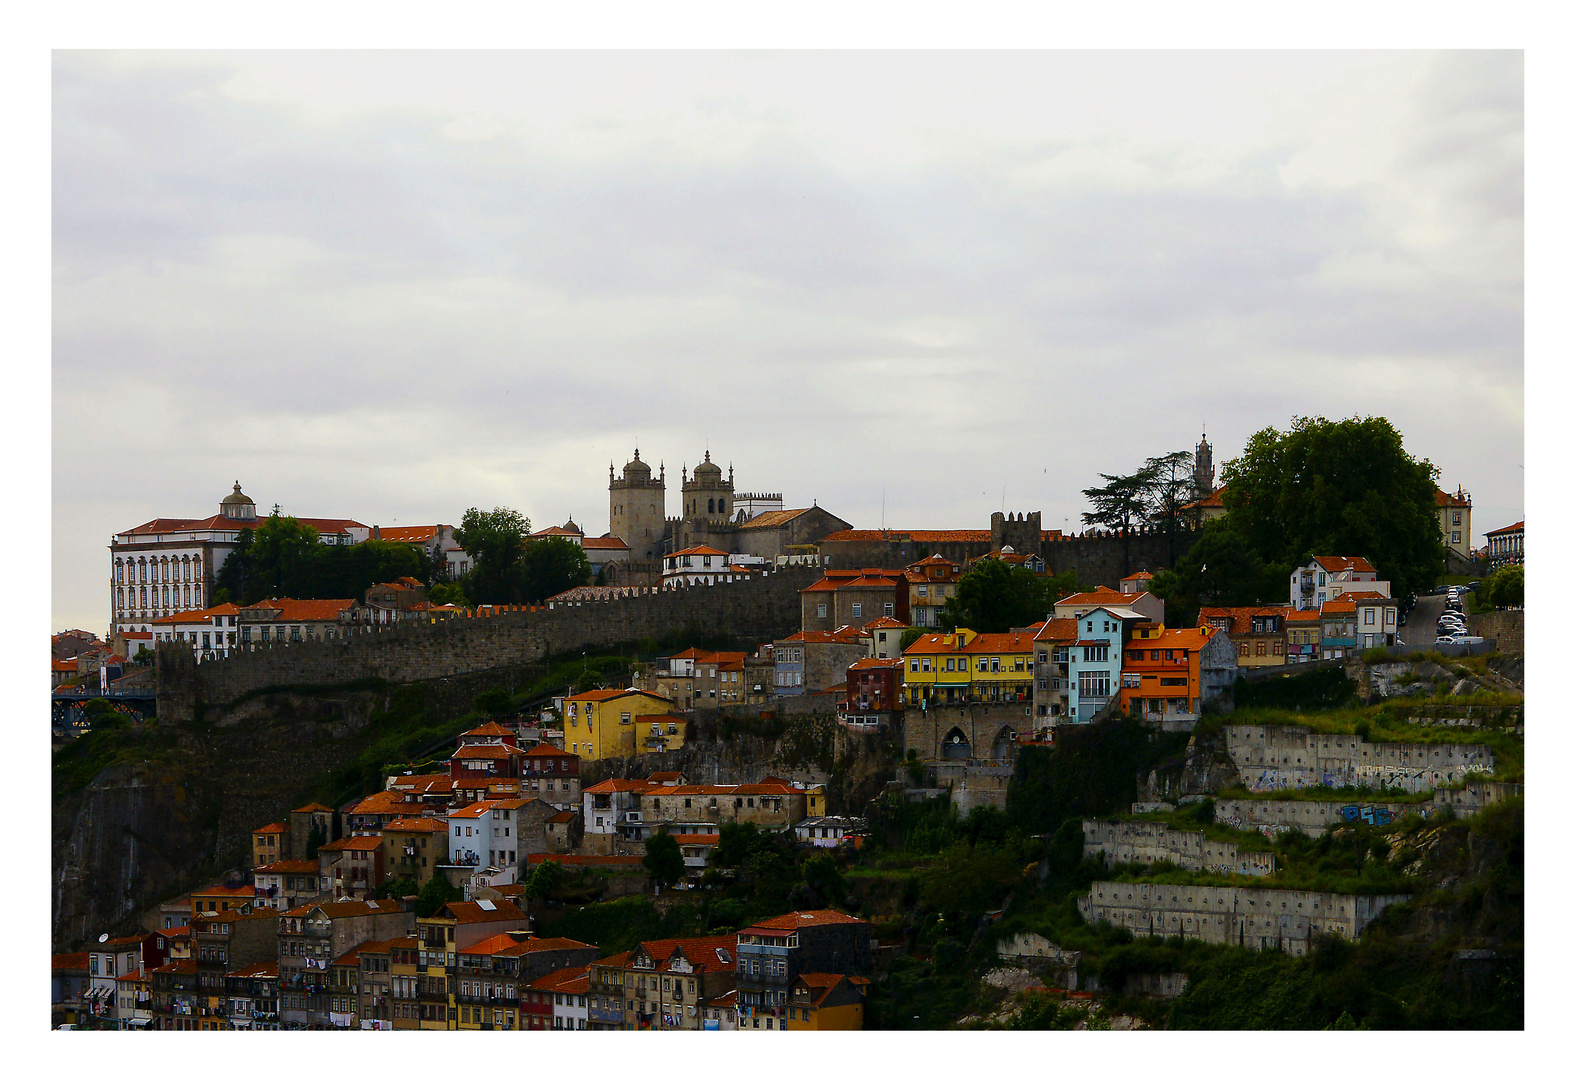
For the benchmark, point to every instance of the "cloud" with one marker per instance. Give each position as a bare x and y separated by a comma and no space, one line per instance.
393,286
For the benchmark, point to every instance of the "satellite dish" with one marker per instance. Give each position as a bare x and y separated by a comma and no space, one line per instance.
103,938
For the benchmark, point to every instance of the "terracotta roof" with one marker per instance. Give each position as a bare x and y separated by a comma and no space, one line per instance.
771,519
68,961
471,911
506,945
559,818
408,534
885,622
605,543
1309,615
416,824
382,802
288,866
1058,630
197,615
311,807
1142,575
1338,607
490,729
795,920
872,662
272,827
1444,498
700,549
843,635
1518,527
696,838
1210,501
571,980
178,967
223,524
548,750
354,843
609,695
702,952
1100,595
287,609
267,970
617,784
1010,642
1367,596
1336,564
932,643
486,752
346,909
1241,617
225,890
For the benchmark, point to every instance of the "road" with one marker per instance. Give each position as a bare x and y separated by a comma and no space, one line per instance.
1419,629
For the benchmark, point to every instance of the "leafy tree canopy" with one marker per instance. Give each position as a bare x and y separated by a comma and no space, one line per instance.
1344,487
282,557
496,540
663,860
1219,570
550,566
994,597
544,880
1506,587
434,895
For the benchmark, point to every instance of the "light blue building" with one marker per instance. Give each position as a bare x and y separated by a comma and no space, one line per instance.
1094,663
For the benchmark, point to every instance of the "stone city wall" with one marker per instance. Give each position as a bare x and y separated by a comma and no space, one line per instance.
759,609
1505,628
1273,758
1285,919
1153,841
929,731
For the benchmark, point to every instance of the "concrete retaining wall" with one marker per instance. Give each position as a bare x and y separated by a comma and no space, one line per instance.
1285,919
1152,841
1273,758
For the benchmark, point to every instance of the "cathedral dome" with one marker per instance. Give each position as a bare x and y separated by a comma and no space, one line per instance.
237,505
709,470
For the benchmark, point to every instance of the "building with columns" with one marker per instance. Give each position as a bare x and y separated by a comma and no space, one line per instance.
168,565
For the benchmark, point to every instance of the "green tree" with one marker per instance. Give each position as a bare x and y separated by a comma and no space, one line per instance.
663,859
1122,503
1506,587
1345,487
550,566
1171,488
434,894
1219,570
911,635
102,715
545,880
281,555
446,592
397,889
995,596
496,540
232,582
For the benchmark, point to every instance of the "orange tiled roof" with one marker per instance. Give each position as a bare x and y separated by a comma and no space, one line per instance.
267,970
490,729
1518,527
272,827
408,534
289,866
872,662
699,549
471,911
224,524
605,543
507,945
416,824
1444,498
617,784
313,807
224,890
1055,630
1241,617
382,802
1010,642
795,920
770,519
197,615
885,622
548,750
843,635
1335,564
1338,607
287,609
68,961
1366,596
572,980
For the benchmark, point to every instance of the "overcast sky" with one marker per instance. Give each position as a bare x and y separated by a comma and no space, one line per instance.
393,286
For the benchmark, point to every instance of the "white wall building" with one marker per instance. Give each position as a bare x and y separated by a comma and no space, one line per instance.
168,565
1328,577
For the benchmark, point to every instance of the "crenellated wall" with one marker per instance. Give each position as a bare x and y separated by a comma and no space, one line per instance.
759,609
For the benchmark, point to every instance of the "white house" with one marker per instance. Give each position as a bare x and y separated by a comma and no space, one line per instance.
702,565
486,834
1328,577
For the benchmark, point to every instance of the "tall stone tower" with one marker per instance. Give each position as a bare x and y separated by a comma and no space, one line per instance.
1203,469
636,508
708,506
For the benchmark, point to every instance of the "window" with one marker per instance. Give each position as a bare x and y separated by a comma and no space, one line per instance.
858,610
1368,616
820,611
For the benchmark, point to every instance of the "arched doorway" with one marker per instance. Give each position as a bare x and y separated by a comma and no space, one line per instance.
1001,750
955,745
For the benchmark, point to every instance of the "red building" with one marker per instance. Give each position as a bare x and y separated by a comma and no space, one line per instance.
875,692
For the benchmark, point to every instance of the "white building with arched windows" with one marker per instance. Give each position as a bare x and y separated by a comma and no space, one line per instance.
168,565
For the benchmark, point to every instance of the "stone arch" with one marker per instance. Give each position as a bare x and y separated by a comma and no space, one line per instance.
1001,749
955,745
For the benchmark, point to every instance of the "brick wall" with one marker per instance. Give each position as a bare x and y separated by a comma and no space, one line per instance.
760,609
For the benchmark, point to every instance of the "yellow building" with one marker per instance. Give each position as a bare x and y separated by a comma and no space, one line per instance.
934,669
827,1002
620,723
1001,666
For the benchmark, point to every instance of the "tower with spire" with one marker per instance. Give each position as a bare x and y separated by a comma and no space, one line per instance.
1203,469
637,507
